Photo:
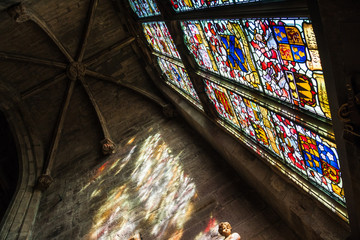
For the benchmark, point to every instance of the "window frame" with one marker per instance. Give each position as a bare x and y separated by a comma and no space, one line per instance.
274,8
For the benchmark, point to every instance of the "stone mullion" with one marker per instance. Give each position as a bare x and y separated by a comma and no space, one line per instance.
189,63
190,66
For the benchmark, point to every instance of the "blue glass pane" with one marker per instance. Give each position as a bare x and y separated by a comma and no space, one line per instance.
144,8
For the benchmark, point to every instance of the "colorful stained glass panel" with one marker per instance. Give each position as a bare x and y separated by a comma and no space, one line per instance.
178,77
182,5
286,55
144,8
195,41
158,36
242,114
189,5
264,128
305,152
256,122
220,98
230,50
322,162
277,56
288,135
200,4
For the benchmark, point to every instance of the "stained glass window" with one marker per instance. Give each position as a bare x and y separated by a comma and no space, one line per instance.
144,8
195,41
286,55
190,5
307,153
244,63
177,76
220,98
275,56
158,36
321,162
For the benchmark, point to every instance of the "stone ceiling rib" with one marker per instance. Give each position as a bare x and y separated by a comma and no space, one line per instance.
89,23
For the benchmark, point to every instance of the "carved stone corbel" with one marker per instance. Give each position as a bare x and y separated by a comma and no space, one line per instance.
18,13
44,181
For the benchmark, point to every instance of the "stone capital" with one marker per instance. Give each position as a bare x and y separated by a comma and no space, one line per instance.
107,146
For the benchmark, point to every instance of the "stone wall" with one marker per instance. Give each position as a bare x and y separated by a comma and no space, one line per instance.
163,181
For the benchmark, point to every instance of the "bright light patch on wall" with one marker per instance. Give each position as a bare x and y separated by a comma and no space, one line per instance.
210,232
153,191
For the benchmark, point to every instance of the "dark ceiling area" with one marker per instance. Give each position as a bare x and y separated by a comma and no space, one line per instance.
52,51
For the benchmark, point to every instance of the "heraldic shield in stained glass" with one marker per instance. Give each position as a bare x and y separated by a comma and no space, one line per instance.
144,8
178,77
219,97
275,56
307,153
158,36
220,46
286,55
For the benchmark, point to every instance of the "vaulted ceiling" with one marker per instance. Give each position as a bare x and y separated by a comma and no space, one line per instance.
56,55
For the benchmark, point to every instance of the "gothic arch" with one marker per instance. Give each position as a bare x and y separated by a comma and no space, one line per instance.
22,209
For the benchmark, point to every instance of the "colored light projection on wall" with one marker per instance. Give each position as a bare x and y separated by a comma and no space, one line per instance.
158,36
190,5
305,152
277,56
178,77
144,8
211,231
151,191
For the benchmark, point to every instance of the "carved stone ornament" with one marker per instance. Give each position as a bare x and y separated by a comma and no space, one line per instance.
44,182
349,112
75,70
18,13
107,146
